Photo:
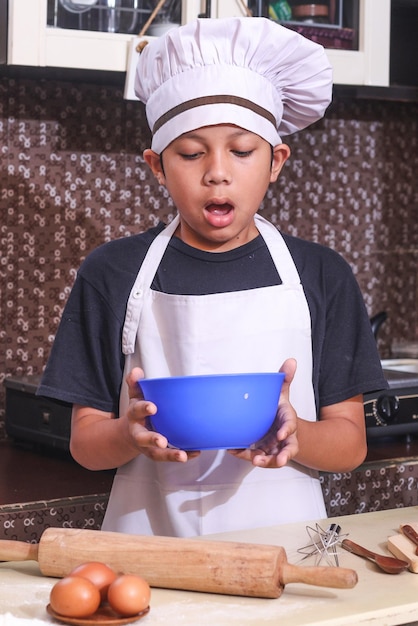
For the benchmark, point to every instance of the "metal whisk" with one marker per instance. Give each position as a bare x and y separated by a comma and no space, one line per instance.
323,544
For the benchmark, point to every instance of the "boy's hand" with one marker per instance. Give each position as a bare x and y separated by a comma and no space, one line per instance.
280,444
151,444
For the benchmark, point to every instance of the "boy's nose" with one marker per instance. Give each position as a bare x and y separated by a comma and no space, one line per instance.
217,171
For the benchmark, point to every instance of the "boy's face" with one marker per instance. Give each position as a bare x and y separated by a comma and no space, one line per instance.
217,177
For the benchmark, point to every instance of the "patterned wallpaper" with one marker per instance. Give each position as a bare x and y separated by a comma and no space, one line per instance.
72,176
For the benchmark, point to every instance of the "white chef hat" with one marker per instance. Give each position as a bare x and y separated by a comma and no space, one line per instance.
247,71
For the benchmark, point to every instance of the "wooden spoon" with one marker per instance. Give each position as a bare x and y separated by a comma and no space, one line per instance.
388,564
411,534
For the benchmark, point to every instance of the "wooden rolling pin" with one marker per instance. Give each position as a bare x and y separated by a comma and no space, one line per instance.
241,569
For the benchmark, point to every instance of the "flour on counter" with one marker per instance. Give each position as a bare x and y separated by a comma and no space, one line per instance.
10,620
221,610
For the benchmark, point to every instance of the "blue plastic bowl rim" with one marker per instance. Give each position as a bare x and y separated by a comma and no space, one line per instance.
201,376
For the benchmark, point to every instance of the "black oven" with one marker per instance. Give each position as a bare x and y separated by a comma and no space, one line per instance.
393,411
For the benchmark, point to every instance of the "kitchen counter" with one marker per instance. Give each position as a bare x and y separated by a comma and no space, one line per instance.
403,447
378,598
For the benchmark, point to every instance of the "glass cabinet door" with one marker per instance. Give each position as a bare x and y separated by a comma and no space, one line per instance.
115,16
332,23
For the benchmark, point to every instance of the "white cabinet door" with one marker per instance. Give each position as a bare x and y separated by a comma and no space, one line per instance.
32,42
370,64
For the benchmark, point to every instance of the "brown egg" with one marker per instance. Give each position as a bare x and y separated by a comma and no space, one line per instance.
129,594
74,596
98,573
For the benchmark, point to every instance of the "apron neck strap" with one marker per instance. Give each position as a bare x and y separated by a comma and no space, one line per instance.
143,283
279,251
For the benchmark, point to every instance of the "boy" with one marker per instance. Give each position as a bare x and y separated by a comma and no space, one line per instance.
218,290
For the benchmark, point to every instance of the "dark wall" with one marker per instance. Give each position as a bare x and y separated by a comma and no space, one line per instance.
72,176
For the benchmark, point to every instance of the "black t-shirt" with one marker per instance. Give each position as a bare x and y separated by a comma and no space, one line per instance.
86,361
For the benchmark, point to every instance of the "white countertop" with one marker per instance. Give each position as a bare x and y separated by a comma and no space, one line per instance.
378,598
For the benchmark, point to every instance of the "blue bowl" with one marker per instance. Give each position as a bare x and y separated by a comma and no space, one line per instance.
214,412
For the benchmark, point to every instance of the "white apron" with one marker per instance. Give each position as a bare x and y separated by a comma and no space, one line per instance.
245,331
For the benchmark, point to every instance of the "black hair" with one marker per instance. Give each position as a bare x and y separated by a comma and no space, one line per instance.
162,164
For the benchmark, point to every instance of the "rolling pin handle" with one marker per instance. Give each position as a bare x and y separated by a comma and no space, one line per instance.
18,551
337,577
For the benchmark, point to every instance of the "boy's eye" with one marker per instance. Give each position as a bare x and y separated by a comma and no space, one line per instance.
243,153
189,155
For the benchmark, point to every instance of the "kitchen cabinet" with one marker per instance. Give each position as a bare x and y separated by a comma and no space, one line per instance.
31,42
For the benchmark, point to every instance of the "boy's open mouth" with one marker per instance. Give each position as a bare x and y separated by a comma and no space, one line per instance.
220,212
219,209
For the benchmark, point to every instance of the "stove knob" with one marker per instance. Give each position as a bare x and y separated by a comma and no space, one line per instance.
387,407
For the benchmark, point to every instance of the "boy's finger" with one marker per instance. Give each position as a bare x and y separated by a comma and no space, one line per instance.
289,369
132,381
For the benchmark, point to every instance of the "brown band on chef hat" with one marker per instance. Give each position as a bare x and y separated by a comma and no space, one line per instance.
246,71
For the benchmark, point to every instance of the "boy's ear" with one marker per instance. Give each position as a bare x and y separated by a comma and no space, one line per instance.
153,160
281,153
